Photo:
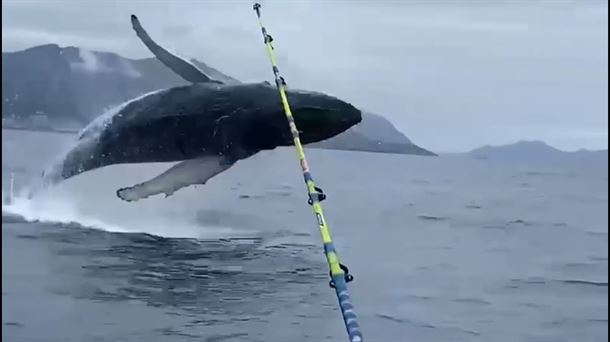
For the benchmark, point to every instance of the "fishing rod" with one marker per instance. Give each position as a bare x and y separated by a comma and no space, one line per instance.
339,273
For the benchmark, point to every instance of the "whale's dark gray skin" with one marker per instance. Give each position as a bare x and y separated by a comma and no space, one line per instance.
207,127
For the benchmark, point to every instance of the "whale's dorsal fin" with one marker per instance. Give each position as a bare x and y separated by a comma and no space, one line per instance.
178,65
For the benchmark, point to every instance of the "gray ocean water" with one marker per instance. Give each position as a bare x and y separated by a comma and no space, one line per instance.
442,249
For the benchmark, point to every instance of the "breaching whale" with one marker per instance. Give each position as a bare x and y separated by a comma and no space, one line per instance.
206,126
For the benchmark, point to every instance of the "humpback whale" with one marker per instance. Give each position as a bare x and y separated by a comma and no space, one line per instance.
206,126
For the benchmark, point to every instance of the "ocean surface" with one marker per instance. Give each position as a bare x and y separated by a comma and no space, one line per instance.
442,249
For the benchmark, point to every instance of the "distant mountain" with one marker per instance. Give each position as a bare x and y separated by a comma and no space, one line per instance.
373,134
536,151
50,87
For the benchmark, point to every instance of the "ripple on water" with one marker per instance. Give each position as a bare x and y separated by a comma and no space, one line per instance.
390,318
587,283
472,300
425,217
203,277
570,287
600,234
538,173
519,222
495,227
222,338
13,324
447,328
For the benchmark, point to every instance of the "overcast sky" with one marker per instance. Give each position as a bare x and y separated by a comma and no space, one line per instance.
452,75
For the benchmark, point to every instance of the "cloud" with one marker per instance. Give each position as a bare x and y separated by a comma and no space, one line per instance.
91,63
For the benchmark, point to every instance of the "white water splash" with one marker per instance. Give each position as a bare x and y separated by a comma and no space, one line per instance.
54,209
88,200
47,210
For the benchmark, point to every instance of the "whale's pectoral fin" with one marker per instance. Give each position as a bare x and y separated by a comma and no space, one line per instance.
178,65
183,174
